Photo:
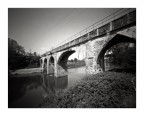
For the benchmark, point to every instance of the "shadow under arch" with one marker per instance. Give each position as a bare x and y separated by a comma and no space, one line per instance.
41,61
45,65
62,61
113,41
51,65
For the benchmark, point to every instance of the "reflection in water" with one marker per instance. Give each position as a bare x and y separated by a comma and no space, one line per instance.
51,83
26,91
21,90
75,74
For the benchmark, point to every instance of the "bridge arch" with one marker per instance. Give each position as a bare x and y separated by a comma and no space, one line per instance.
51,65
41,61
45,66
62,61
113,41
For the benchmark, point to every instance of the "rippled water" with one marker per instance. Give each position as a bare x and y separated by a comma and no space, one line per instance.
28,91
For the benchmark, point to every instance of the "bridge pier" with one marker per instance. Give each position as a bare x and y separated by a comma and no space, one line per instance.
55,67
42,63
48,64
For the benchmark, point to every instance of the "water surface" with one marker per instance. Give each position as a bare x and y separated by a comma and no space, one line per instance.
27,91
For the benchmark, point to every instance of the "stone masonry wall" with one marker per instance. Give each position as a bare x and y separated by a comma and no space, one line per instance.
92,50
94,47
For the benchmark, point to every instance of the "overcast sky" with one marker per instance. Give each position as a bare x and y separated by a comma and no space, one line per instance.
39,29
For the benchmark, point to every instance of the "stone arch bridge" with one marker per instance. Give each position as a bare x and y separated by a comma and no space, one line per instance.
94,41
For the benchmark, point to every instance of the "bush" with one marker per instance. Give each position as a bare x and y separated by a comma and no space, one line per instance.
103,90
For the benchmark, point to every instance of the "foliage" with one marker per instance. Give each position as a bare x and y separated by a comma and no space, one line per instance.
123,55
128,57
78,63
18,58
103,90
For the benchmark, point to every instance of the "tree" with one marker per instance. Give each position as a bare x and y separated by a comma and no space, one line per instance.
35,54
18,58
15,54
123,54
14,47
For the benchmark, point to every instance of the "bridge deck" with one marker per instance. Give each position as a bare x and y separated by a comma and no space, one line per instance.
112,23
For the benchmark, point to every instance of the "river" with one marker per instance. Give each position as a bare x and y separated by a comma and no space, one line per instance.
27,91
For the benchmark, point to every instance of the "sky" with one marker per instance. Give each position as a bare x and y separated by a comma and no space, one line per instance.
39,29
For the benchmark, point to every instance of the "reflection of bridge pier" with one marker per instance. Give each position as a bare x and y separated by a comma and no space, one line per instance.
94,41
50,83
51,68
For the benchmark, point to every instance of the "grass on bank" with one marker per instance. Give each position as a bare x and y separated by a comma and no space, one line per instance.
103,90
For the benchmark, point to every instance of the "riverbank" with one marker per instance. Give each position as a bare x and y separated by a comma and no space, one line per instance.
103,90
33,71
27,71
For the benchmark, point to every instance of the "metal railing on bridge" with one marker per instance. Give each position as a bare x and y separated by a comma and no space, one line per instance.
116,20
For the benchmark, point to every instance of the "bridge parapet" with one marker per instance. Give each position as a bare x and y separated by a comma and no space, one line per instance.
114,22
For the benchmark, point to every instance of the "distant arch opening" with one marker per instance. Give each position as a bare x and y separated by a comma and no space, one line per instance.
41,62
116,54
64,58
45,65
51,65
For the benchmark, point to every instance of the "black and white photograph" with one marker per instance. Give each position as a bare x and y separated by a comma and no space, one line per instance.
72,57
